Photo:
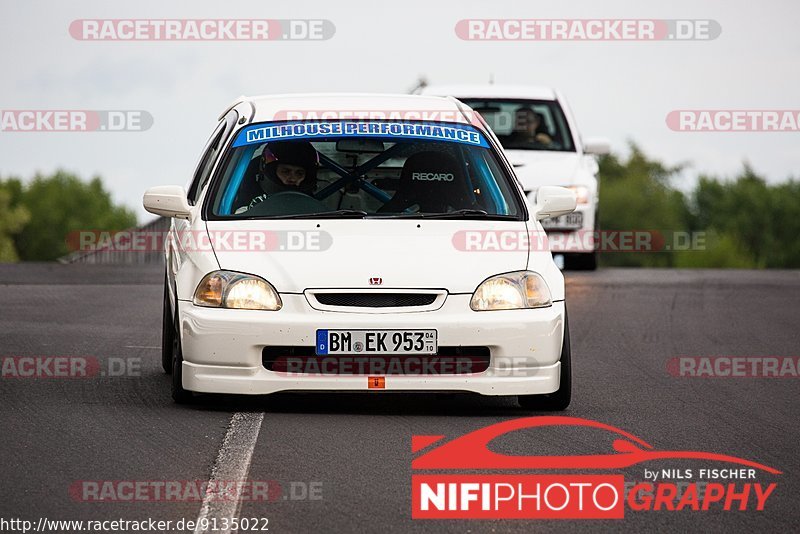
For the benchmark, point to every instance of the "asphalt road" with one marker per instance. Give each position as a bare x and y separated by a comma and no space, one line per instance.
352,452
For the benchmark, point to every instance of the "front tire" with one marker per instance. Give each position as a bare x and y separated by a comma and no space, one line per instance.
179,395
171,351
167,331
585,261
582,262
560,399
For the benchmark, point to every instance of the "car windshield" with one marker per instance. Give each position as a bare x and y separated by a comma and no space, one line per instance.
362,169
526,124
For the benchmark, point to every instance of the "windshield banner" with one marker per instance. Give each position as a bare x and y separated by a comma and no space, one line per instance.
395,130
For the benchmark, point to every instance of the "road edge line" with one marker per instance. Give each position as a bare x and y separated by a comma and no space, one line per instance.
232,464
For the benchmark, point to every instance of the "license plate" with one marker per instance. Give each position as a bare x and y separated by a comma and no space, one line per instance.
569,221
376,342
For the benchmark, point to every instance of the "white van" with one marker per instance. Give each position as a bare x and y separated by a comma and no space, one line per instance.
537,130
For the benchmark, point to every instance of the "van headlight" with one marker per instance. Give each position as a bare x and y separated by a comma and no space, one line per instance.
581,193
511,291
228,289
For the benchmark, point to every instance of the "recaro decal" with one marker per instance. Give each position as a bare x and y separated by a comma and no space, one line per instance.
433,176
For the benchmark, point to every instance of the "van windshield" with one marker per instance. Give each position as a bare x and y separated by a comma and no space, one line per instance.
362,169
525,124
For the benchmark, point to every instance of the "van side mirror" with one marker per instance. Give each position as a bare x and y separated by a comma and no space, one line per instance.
598,146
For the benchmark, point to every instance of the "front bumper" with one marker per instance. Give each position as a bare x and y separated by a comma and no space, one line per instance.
222,349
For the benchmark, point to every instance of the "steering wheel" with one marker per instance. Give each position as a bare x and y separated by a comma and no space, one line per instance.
287,203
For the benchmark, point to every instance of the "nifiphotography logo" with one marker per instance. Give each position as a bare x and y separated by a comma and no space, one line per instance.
589,486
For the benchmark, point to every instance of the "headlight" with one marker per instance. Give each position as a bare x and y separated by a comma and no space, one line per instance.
227,289
581,193
511,291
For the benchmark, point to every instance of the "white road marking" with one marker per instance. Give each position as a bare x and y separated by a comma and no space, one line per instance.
232,464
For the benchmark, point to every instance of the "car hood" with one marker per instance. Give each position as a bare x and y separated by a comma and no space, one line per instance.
535,168
295,255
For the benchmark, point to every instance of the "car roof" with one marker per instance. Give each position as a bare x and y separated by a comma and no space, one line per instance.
275,107
532,92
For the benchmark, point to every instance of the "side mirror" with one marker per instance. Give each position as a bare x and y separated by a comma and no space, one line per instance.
599,146
167,201
552,201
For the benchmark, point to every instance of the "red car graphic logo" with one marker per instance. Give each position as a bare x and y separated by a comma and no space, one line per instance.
471,450
375,281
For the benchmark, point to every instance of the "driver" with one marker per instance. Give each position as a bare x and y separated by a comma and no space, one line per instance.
288,166
529,128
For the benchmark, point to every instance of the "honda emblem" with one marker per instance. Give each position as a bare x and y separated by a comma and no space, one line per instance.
375,281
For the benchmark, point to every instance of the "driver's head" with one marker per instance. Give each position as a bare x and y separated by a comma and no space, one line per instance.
292,164
290,174
527,121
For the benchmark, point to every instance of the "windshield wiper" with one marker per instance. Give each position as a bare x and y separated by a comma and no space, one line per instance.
467,214
337,214
359,214
398,216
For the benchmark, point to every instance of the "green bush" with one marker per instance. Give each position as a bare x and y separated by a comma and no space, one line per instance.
13,219
636,195
55,206
719,252
746,222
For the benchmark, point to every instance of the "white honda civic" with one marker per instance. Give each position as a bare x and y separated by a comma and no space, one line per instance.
361,242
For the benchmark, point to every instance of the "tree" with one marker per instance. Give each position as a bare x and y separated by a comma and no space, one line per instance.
636,194
759,219
745,221
60,204
13,218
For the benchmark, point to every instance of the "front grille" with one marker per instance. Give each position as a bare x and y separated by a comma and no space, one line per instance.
375,300
449,361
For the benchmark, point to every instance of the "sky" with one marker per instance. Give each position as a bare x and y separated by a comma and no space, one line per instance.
619,90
